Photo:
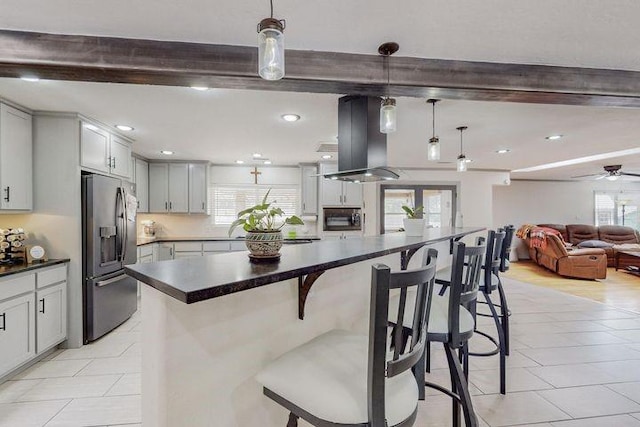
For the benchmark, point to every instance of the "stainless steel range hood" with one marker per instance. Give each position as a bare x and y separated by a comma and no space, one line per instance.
362,148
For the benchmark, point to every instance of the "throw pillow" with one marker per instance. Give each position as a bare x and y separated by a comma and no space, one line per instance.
594,244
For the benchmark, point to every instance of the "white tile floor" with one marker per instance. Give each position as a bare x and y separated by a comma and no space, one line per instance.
573,363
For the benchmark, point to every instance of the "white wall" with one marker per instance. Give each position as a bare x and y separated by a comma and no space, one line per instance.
557,202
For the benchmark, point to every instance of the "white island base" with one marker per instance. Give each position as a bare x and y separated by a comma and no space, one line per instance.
199,360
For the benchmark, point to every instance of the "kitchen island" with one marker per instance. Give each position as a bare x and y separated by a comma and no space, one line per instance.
210,323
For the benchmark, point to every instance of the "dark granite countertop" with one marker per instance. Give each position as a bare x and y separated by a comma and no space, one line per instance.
200,278
147,240
7,270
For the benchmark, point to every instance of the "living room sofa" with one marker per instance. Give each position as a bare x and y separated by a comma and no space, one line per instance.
588,263
615,238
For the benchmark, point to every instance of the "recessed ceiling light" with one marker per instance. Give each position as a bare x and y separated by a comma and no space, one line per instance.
166,152
368,174
503,151
327,156
291,117
124,128
468,160
90,126
267,162
553,137
239,162
257,155
200,88
334,177
30,78
357,181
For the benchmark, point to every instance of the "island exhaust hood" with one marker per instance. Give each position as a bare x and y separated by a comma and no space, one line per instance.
362,148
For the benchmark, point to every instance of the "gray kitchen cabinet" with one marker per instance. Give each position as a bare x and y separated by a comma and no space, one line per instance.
198,188
51,317
17,332
33,315
16,159
178,187
104,152
162,252
142,184
158,187
309,185
339,193
120,152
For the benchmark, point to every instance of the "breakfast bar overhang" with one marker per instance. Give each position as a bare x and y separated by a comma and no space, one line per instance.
210,323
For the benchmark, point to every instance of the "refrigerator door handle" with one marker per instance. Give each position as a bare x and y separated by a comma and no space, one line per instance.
120,212
125,237
102,283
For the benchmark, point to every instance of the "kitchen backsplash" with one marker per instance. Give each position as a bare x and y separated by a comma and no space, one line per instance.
197,226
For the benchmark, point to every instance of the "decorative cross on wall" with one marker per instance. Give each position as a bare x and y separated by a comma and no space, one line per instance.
255,174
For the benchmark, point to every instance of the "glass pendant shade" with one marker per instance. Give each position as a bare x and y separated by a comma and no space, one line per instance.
462,163
388,116
271,49
433,150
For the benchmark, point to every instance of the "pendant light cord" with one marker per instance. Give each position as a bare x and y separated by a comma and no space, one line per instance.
388,75
271,2
461,141
434,120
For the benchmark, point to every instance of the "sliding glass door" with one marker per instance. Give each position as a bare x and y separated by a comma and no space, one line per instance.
438,202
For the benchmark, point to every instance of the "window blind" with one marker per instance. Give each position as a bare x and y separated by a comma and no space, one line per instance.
227,200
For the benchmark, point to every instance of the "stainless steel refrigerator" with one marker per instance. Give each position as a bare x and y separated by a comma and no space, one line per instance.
108,244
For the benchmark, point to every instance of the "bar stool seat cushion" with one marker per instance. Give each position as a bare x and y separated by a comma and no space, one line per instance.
438,317
327,377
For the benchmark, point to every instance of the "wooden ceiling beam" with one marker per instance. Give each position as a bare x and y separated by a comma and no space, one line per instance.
136,61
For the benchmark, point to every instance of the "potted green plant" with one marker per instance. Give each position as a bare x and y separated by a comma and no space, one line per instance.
413,223
263,224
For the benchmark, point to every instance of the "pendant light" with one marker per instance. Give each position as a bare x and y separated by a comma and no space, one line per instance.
271,47
433,149
388,105
462,160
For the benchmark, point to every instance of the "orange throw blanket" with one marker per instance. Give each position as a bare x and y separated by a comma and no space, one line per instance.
537,235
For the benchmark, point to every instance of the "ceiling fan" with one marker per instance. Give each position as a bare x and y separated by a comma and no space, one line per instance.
611,172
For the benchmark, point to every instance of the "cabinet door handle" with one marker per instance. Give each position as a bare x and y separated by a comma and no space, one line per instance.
108,162
170,206
138,204
171,252
166,206
7,197
114,163
4,322
42,301
304,207
202,205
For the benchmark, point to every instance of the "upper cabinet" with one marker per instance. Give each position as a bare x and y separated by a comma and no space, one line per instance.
198,188
338,193
16,159
309,185
104,152
177,187
142,184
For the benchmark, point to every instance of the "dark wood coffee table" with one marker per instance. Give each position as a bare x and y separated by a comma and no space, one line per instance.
629,257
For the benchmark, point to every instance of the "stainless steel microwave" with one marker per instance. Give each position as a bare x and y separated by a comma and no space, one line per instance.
342,219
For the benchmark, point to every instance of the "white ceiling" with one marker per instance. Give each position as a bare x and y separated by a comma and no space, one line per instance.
223,125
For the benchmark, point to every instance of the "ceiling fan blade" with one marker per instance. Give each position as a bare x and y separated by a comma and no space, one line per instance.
599,175
630,174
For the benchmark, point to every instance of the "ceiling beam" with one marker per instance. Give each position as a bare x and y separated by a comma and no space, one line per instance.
119,60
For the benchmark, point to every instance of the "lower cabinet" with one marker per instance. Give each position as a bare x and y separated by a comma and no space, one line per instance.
33,315
17,332
51,317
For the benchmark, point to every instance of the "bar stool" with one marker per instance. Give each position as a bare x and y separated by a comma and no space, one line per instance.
451,323
504,266
489,284
346,379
